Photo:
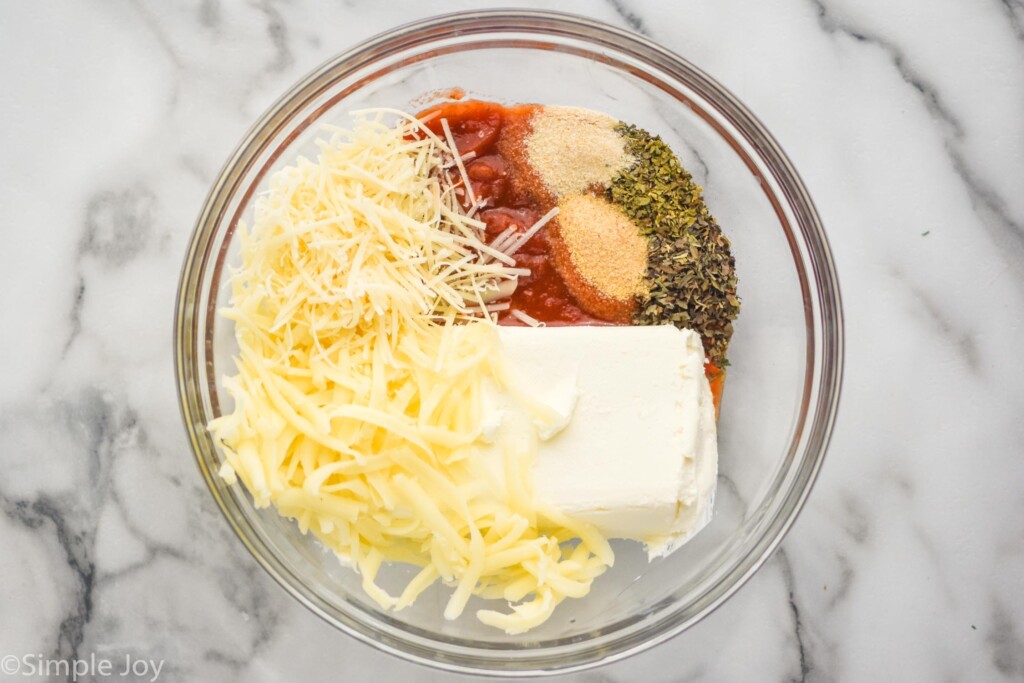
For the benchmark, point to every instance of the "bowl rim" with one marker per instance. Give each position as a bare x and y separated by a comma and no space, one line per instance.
541,22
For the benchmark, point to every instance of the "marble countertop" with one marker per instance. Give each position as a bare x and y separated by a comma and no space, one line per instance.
905,120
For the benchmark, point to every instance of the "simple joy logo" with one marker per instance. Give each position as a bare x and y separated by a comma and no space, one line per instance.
96,667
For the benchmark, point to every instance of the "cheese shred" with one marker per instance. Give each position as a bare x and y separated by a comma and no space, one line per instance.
363,317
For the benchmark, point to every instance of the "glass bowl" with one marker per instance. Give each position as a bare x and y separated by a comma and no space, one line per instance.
783,386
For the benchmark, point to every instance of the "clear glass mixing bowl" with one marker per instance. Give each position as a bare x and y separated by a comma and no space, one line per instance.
783,386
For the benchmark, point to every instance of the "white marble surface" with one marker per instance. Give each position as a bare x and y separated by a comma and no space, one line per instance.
905,119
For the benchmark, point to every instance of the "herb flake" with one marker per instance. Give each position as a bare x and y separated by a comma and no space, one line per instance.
691,273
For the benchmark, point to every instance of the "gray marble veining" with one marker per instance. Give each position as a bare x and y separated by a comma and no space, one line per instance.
903,118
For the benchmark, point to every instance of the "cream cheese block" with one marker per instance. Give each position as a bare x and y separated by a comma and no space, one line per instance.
624,422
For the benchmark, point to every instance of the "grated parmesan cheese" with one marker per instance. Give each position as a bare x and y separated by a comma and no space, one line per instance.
512,246
360,379
525,317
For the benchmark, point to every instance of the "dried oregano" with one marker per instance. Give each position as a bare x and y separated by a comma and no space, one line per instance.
691,274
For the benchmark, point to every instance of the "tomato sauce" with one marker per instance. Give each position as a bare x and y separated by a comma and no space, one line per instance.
495,137
487,131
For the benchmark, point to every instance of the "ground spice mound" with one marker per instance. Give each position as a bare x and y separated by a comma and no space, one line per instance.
526,182
575,149
600,255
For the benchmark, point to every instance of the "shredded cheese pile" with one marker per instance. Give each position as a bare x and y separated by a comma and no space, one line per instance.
361,310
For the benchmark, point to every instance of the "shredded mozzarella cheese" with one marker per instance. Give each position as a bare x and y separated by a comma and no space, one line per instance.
358,396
